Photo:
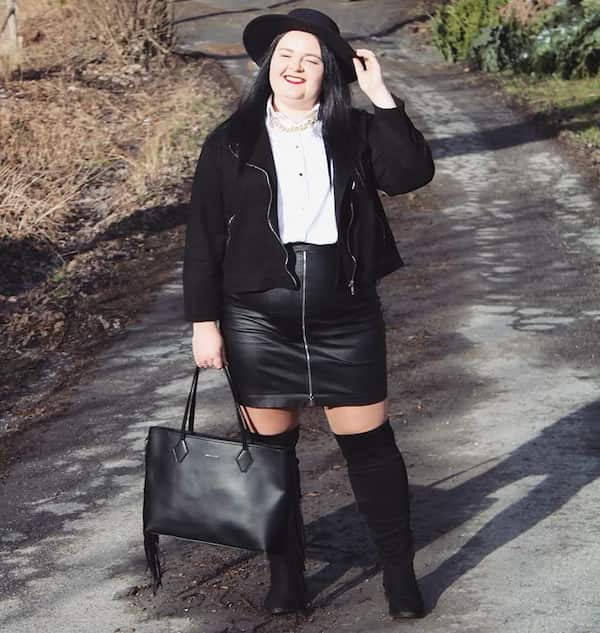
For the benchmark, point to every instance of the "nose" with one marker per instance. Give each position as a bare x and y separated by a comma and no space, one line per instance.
296,64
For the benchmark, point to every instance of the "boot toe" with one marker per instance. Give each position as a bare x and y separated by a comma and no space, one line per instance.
282,606
407,605
286,597
405,614
403,593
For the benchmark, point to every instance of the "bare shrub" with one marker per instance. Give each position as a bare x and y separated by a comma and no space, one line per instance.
135,29
525,11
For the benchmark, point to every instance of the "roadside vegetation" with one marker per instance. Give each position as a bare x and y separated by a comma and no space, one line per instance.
100,127
544,53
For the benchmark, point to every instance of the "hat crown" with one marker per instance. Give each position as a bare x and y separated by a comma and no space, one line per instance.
315,17
260,32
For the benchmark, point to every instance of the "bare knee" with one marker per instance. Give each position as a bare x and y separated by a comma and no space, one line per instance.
270,421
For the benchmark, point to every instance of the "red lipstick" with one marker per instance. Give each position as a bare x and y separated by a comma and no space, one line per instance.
293,80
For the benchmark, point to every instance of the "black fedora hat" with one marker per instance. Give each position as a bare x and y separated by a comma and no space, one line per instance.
262,30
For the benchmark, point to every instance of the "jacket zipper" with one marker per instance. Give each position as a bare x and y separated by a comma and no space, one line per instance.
287,255
351,282
306,351
229,222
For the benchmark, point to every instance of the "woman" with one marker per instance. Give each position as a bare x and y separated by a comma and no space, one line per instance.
285,241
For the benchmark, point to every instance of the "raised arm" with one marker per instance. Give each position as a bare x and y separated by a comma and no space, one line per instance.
400,155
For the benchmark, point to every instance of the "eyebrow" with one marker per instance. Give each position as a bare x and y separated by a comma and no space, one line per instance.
291,50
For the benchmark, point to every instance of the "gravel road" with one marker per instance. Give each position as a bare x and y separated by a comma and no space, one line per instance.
493,358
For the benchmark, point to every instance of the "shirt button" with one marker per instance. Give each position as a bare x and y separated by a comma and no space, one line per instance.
301,173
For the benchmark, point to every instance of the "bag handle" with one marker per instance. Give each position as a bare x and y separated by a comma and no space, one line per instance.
190,410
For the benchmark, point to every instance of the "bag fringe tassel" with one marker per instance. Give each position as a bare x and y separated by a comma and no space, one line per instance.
152,559
298,519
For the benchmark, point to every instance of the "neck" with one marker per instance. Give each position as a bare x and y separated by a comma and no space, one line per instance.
295,110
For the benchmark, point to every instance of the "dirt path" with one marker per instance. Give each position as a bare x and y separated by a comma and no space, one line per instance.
493,355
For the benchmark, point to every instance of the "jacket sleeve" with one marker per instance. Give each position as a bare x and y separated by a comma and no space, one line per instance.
400,155
204,239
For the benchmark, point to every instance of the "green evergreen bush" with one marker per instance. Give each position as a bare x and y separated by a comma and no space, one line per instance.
565,40
505,45
455,25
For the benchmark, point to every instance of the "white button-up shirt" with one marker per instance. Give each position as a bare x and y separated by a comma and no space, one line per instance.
305,199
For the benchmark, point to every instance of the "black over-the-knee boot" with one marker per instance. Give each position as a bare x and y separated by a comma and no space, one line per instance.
287,592
379,481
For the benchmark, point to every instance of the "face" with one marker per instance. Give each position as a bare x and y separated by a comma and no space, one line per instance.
296,70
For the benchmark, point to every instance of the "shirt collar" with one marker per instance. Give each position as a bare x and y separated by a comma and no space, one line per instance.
284,119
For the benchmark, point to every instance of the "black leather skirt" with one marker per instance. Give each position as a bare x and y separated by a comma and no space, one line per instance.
314,346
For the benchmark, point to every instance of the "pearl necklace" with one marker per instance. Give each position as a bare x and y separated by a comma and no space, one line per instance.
295,127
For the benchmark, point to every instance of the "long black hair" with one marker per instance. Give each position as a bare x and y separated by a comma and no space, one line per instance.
335,111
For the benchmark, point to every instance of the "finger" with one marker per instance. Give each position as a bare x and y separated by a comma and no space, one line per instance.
369,58
358,65
365,52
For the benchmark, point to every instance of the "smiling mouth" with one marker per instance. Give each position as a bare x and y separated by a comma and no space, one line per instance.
293,80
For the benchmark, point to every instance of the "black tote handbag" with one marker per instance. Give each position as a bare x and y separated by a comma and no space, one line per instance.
212,489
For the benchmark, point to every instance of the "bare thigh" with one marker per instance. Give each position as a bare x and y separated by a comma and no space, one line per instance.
270,421
356,419
342,420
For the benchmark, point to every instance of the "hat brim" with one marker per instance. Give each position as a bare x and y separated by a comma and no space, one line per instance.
262,30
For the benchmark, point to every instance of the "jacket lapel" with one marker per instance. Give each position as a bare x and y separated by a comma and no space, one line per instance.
262,157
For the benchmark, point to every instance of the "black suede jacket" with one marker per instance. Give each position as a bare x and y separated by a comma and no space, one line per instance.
232,238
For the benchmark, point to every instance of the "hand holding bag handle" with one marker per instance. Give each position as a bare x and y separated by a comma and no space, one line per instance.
193,490
180,450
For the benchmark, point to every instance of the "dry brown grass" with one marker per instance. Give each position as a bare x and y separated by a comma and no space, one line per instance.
93,139
60,138
55,37
60,33
168,131
35,8
23,215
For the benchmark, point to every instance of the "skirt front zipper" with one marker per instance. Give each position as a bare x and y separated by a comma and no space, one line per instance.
306,350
